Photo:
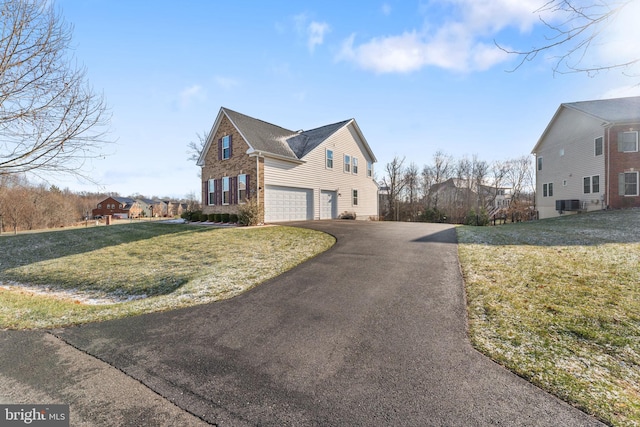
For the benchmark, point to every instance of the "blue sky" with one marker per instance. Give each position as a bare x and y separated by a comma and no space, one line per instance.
418,76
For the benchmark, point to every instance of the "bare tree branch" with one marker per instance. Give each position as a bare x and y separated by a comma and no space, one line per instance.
51,120
580,28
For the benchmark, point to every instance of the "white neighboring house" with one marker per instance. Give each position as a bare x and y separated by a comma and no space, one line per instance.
587,158
321,173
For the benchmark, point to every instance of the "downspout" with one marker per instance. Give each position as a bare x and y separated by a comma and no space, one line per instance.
608,174
258,178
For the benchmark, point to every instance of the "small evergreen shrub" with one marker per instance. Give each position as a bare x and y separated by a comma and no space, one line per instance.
233,218
225,218
217,217
211,217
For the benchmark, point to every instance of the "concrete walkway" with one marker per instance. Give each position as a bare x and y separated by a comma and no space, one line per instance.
372,332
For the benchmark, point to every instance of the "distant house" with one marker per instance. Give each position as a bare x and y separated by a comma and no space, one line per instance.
320,173
458,196
117,207
588,159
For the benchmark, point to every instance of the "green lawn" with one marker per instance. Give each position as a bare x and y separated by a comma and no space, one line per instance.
558,302
147,266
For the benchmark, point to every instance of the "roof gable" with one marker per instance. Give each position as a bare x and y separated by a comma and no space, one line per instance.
609,111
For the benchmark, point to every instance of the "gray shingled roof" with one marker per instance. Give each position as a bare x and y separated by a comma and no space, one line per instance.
269,138
619,110
263,136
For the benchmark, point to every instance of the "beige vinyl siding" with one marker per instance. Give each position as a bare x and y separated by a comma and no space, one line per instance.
314,175
568,157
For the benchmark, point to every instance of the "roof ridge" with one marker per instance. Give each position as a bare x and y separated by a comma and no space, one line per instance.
256,119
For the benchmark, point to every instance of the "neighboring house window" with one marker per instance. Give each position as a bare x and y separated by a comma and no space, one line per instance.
369,169
225,147
354,165
598,146
627,141
595,184
212,192
628,184
354,197
539,163
586,184
347,163
329,159
99,205
225,190
551,189
242,188
547,190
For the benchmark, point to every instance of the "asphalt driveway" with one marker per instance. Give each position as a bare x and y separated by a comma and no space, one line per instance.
372,332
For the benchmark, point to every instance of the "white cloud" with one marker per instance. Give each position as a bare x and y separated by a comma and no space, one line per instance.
462,44
386,9
226,83
316,32
190,94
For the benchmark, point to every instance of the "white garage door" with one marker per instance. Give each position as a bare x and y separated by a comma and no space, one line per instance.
327,204
287,204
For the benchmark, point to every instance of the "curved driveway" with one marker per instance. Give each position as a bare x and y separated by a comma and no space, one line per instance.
372,332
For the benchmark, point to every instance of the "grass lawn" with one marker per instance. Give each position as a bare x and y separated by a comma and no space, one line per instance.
146,267
558,302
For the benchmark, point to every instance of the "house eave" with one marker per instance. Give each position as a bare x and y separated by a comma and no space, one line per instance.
255,153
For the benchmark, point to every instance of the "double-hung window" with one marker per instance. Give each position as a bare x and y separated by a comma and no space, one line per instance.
598,146
354,165
329,159
628,184
354,197
547,190
591,184
369,169
226,147
539,163
212,192
225,190
586,184
347,163
242,188
628,141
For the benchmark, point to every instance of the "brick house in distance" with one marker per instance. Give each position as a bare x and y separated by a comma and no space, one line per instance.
588,158
117,207
321,173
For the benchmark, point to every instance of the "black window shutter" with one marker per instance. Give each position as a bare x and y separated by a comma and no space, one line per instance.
248,187
234,190
220,149
205,199
230,146
218,191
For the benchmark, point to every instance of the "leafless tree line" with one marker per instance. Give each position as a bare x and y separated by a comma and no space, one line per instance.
26,206
458,190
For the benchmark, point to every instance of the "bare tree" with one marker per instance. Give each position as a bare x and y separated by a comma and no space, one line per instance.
412,184
194,148
394,181
51,121
520,177
580,28
440,171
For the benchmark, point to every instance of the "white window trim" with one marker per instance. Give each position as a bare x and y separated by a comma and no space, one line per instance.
590,186
241,200
637,185
539,163
346,162
595,152
211,195
636,149
592,190
354,165
227,139
227,191
326,159
369,169
355,195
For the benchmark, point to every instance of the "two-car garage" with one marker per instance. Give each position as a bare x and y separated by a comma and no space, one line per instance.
296,204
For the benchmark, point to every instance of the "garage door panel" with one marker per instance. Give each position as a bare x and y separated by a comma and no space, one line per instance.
288,204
